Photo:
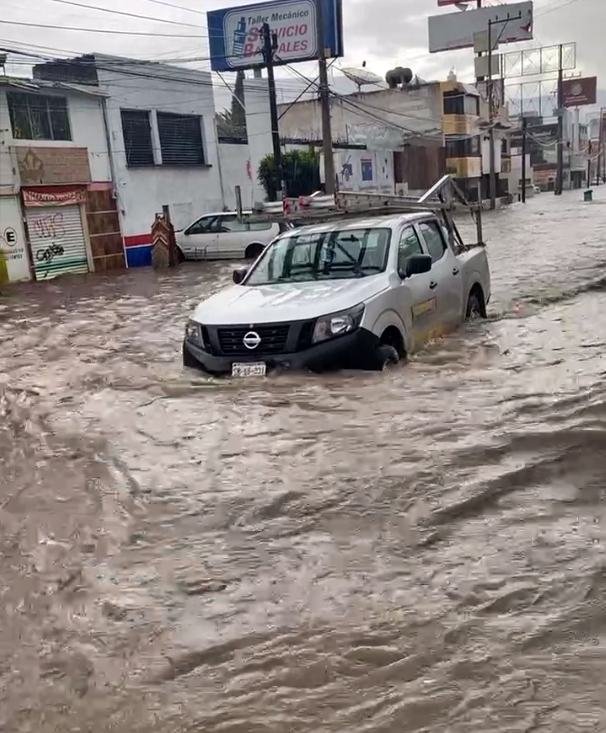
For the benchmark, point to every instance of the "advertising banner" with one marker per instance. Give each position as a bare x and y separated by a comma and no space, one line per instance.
576,92
450,31
236,37
54,196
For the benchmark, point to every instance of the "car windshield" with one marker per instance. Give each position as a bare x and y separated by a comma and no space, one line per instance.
328,255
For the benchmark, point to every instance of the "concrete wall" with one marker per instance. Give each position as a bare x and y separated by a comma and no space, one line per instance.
485,147
14,258
190,191
364,170
86,122
236,170
258,126
514,176
376,119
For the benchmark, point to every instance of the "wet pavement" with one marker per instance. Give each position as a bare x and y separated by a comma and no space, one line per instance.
422,550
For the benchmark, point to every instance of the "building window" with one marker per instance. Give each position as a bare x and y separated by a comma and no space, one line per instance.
180,139
137,137
456,103
38,117
463,148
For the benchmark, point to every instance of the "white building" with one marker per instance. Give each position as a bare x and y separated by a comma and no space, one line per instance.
54,171
160,124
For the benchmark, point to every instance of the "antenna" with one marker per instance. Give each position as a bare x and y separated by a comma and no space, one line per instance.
360,77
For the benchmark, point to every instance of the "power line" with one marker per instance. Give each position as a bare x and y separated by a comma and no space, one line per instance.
98,30
177,7
557,7
369,111
122,12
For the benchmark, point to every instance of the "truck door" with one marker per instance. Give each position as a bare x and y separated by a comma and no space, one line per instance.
446,278
418,301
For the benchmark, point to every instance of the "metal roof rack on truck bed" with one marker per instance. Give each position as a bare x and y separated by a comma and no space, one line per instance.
442,198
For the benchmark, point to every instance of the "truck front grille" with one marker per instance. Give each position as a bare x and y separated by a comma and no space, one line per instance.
273,339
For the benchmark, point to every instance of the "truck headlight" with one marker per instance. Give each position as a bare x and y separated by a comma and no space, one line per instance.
337,324
193,333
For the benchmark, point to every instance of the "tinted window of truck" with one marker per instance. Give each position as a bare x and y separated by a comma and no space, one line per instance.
409,246
436,246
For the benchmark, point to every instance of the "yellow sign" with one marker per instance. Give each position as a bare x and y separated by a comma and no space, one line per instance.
426,306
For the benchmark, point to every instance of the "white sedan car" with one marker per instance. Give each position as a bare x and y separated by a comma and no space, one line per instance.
224,236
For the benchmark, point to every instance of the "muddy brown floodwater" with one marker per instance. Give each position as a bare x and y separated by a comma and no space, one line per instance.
417,551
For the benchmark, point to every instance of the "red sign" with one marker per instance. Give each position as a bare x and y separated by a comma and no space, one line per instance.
576,92
54,195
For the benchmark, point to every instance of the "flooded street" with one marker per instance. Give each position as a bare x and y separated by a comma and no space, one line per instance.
421,550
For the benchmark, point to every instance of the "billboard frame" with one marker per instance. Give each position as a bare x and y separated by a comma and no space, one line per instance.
574,97
452,31
245,21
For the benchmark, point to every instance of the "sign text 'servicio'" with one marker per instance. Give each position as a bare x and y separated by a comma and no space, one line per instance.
236,40
576,92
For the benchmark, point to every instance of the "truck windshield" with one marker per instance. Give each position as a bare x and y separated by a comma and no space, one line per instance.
323,256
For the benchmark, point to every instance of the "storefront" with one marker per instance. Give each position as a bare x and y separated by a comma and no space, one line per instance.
58,235
14,259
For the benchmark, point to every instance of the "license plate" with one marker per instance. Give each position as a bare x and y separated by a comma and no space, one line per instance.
254,369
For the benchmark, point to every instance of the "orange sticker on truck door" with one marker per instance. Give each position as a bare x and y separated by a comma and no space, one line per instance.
423,308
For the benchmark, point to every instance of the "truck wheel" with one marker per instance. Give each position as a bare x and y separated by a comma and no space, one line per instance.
475,307
384,357
188,360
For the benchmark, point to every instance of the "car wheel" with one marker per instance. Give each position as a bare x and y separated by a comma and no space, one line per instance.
253,251
475,307
385,356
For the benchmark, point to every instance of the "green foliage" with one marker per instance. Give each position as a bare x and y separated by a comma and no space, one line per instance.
232,123
301,173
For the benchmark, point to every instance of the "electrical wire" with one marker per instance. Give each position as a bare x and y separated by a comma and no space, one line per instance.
123,12
368,111
98,30
177,7
552,9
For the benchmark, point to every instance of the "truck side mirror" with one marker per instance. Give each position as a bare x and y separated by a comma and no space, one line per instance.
239,274
416,265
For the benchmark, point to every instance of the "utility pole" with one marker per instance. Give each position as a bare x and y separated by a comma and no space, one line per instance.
492,176
589,165
270,44
329,163
524,125
600,147
560,172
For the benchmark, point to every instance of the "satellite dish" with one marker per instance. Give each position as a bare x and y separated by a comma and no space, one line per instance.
361,76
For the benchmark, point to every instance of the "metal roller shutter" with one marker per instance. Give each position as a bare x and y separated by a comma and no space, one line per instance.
57,240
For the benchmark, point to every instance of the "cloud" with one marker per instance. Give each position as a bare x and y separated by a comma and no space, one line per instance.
384,33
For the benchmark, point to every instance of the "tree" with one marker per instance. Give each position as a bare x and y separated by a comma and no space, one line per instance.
232,122
301,173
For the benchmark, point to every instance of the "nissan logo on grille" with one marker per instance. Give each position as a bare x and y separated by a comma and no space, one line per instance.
251,340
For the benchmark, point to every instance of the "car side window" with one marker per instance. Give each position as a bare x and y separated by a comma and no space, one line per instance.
202,226
230,223
409,246
259,226
436,246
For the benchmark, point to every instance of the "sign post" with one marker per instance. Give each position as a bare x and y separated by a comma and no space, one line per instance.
270,43
329,163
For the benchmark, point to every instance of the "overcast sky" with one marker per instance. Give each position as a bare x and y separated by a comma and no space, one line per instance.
384,33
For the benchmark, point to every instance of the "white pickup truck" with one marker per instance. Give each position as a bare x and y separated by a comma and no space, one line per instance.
359,293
